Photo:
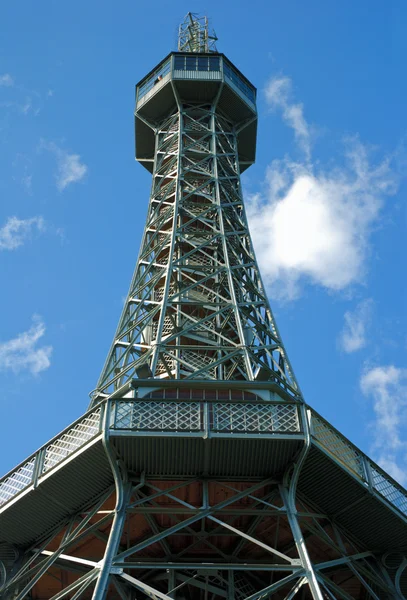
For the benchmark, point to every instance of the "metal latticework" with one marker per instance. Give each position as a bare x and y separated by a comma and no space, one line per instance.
199,473
194,35
197,306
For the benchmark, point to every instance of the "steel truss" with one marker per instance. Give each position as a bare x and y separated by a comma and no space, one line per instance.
200,539
194,35
197,307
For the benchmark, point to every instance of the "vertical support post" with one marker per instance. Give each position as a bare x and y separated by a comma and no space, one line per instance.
288,494
368,471
231,585
113,542
123,493
300,544
171,582
38,466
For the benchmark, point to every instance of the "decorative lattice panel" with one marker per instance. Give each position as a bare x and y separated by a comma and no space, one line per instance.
339,446
389,490
70,441
255,418
158,416
17,481
198,361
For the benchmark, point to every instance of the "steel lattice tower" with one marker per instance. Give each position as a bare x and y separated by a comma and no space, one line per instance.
199,472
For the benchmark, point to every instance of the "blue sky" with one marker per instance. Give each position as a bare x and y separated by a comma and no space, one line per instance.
326,200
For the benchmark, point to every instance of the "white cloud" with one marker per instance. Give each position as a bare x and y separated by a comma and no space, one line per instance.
22,352
6,80
70,170
387,386
16,231
70,167
353,335
315,225
279,96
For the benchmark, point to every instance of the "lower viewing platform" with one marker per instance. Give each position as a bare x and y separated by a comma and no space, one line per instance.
209,431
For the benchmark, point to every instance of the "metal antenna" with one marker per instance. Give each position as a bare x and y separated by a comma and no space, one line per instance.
194,35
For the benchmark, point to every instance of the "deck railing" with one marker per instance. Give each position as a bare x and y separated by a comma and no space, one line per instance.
198,418
348,455
210,417
50,455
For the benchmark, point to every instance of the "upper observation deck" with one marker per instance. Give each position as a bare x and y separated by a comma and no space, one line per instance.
195,78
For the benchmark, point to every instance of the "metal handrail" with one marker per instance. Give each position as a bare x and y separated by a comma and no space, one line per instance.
28,471
189,415
365,469
343,451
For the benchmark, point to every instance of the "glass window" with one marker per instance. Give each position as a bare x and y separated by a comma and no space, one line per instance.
238,81
155,78
179,63
190,63
202,63
214,63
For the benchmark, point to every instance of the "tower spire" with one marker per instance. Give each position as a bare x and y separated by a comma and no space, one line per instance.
194,35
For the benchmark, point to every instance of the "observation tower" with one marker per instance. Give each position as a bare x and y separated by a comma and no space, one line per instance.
198,471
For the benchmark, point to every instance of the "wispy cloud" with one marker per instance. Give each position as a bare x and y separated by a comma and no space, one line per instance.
313,224
387,387
279,95
17,231
70,169
353,335
6,80
23,352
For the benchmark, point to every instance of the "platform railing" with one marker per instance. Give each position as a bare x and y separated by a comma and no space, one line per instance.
216,418
205,417
50,455
360,465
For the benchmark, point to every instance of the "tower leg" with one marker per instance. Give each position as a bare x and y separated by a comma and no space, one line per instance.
123,493
289,501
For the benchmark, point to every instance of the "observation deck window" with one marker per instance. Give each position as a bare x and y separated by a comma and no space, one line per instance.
153,79
239,82
193,62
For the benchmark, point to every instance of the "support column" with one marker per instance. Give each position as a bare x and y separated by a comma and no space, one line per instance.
123,494
299,541
123,491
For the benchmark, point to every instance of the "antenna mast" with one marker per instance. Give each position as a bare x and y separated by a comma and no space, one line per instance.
194,35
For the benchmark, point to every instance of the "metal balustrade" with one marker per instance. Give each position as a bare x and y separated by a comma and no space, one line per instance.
17,481
388,489
167,416
194,417
158,416
358,463
255,418
338,445
50,455
70,441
